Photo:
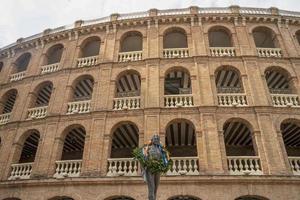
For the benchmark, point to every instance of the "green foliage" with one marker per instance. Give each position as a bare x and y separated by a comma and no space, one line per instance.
155,166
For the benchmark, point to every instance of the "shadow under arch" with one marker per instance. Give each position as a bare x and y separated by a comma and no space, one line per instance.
61,198
184,197
175,37
119,198
251,197
131,41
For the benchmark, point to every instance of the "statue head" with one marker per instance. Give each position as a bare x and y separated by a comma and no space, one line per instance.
155,139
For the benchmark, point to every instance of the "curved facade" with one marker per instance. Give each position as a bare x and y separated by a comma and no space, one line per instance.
219,85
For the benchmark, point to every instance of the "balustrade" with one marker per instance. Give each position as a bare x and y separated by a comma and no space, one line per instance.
130,56
176,53
244,165
50,68
285,100
222,51
295,165
38,112
127,103
20,171
87,61
269,52
184,166
68,168
232,99
79,107
4,118
17,76
179,100
122,167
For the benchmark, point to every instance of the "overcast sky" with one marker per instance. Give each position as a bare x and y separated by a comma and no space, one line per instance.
22,18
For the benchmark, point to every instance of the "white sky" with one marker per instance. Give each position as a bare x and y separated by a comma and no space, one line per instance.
22,18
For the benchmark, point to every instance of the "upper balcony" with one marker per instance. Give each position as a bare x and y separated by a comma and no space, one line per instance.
52,59
131,47
19,67
89,52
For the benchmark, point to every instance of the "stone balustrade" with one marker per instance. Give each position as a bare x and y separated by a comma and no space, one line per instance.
87,61
4,118
295,165
232,99
176,53
285,100
17,76
130,56
183,11
79,107
222,51
184,166
50,68
269,52
178,100
68,168
244,165
37,113
20,171
127,103
122,167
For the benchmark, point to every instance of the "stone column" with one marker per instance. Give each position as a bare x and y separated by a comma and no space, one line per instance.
106,91
244,41
152,96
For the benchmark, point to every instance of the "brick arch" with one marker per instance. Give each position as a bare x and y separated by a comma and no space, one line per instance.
50,50
174,68
119,197
128,34
229,29
251,197
81,77
70,127
61,198
175,37
22,62
250,121
84,51
283,69
184,29
185,197
242,120
255,26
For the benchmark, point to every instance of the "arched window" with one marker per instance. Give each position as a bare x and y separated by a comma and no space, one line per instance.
219,37
265,38
30,147
22,62
251,197
83,88
178,81
8,101
184,197
42,94
278,81
175,38
132,41
290,130
54,54
90,47
228,80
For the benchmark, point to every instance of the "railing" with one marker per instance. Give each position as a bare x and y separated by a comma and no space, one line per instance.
17,76
255,11
179,100
20,171
122,167
295,165
244,165
269,52
183,11
184,166
233,99
127,103
222,51
4,118
79,107
38,112
176,53
133,15
50,68
285,100
130,56
68,168
87,61
214,10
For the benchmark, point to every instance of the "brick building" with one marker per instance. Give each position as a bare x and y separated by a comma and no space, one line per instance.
219,85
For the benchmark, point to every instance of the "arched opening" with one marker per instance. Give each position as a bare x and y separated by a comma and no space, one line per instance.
265,38
128,90
290,130
125,138
8,101
181,142
177,88
30,147
175,43
219,37
11,198
90,47
251,197
120,198
54,54
1,66
132,41
184,197
22,63
61,198
240,148
298,36
42,94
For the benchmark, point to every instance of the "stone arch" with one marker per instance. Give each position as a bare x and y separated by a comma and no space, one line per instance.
8,101
177,81
30,143
42,94
251,197
22,63
184,197
119,198
265,37
61,198
175,37
11,198
279,80
228,80
54,54
290,132
128,83
220,36
131,41
82,88
90,47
